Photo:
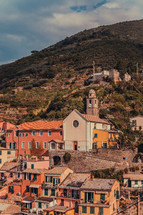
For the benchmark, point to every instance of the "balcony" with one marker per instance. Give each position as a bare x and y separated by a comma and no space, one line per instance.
68,195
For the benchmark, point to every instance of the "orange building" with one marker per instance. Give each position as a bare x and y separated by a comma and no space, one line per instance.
99,196
69,191
20,137
105,138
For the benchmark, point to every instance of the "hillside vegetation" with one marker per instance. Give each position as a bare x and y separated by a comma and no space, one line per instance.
52,82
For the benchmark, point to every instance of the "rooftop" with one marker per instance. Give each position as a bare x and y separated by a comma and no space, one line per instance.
56,170
98,184
75,180
134,176
44,199
33,171
58,208
40,125
92,118
8,166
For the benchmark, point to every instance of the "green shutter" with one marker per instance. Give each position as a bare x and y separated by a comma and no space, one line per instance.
84,209
46,192
54,180
92,197
51,179
92,210
24,176
29,176
85,197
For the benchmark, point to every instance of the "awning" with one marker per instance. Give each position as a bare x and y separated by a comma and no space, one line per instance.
34,186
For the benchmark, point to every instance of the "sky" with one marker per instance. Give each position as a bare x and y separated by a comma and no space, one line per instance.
27,25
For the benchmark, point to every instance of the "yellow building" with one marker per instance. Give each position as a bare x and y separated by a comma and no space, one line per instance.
99,196
6,155
104,138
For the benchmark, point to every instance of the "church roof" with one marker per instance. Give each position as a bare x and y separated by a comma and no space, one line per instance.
92,118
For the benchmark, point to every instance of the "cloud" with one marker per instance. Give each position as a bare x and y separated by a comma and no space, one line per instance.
32,24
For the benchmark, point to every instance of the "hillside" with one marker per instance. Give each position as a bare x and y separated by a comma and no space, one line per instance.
50,83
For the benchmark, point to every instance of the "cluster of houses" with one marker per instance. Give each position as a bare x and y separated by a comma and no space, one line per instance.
38,188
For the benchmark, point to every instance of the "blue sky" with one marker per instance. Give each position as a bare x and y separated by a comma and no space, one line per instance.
27,25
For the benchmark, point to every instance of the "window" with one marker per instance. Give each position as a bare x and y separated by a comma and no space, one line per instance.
95,135
113,207
19,134
41,133
45,145
111,135
8,152
61,133
46,192
34,177
89,197
16,133
102,197
52,192
84,209
8,135
49,133
136,182
27,189
33,133
51,179
0,160
0,152
39,205
92,210
27,176
11,174
22,134
18,175
94,145
100,211
11,189
26,134
32,166
142,183
75,123
22,145
29,145
37,145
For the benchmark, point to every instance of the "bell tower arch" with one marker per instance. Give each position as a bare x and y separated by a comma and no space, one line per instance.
92,104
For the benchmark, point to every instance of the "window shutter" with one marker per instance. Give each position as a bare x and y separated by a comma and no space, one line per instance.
24,176
92,197
85,197
53,181
29,176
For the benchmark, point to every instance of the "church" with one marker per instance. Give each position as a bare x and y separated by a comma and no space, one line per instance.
86,132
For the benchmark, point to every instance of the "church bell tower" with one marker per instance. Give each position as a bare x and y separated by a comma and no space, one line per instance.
92,104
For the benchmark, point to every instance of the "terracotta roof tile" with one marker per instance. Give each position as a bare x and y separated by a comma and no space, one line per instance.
56,170
134,176
98,184
75,180
8,166
92,118
33,171
41,125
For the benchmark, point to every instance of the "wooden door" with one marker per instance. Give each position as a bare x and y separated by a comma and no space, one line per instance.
75,145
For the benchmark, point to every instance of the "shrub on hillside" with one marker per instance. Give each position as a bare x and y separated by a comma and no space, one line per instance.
67,157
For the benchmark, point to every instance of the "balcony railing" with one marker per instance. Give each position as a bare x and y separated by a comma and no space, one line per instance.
68,196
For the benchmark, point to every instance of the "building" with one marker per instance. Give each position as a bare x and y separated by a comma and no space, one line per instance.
137,123
6,155
85,132
53,178
69,193
41,132
99,196
133,180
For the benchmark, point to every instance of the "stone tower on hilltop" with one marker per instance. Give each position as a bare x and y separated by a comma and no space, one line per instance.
92,104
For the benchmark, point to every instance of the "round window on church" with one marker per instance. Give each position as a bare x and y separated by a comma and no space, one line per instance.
75,123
